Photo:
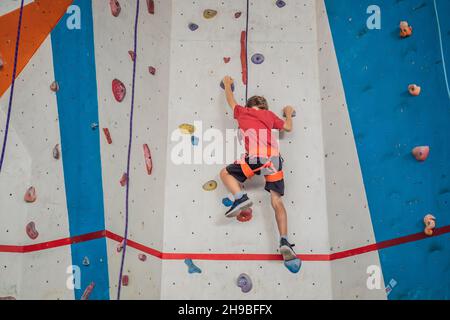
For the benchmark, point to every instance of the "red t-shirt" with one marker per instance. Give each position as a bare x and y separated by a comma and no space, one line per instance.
256,128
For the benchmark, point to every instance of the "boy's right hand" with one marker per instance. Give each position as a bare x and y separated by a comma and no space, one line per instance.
288,111
228,81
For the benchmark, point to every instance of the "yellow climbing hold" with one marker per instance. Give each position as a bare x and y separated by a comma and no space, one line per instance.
187,128
210,186
209,13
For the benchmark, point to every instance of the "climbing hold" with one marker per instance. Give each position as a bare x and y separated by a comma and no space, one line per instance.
152,70
115,7
193,26
107,135
244,282
94,126
187,128
222,85
192,268
210,185
280,3
119,90
238,14
56,152
142,257
2,63
430,224
120,246
31,230
405,29
86,261
414,90
54,86
293,265
209,13
124,180
421,153
228,201
125,280
87,291
195,140
245,215
226,59
148,159
30,195
151,6
257,58
132,55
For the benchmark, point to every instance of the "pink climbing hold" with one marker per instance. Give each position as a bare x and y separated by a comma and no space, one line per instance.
238,14
120,246
142,257
31,230
226,59
421,153
125,280
151,6
132,55
107,135
87,291
115,7
119,90
54,86
30,195
245,215
148,159
124,180
152,70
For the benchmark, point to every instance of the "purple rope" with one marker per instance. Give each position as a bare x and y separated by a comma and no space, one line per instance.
8,117
130,141
246,50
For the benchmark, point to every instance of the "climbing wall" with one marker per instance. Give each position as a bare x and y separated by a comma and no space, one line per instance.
134,225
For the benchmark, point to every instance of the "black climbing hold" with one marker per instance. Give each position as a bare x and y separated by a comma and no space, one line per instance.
257,58
222,85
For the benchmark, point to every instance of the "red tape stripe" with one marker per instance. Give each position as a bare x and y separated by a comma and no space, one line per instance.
220,256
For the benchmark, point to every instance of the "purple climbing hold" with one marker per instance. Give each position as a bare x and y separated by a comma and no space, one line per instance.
280,3
193,26
222,85
244,282
258,58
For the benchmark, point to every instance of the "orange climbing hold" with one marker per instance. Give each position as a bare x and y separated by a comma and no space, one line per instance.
430,224
244,56
31,230
30,195
148,159
124,180
405,29
414,89
119,90
151,6
107,135
421,153
115,7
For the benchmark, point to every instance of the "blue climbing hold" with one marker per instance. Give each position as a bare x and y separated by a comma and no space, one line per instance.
195,140
258,58
192,268
280,3
293,265
222,85
227,202
193,26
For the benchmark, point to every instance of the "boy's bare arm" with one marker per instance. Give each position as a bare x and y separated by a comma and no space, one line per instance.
288,112
228,81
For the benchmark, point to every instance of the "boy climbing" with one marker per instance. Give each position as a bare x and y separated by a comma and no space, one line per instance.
262,157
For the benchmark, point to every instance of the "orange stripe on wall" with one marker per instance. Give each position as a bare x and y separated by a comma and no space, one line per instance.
39,19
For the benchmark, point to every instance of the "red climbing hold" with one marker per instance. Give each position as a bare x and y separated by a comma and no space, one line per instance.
30,195
115,7
226,59
421,153
125,280
31,231
151,6
124,180
245,215
142,257
132,55
244,56
87,291
148,159
119,90
152,70
107,135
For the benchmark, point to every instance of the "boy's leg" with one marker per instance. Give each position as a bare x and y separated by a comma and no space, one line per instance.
280,213
231,177
230,182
